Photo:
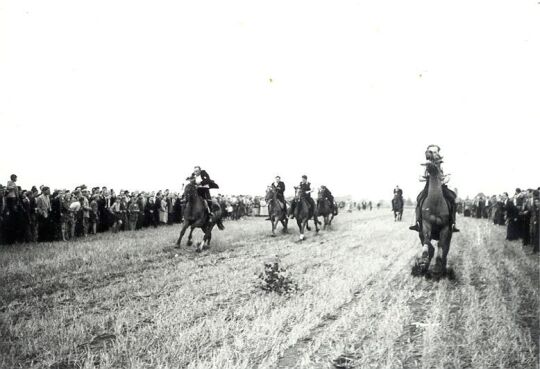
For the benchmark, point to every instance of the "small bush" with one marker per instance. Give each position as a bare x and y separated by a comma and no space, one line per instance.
275,278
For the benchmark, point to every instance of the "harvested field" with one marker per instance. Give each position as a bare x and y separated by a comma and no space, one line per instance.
131,300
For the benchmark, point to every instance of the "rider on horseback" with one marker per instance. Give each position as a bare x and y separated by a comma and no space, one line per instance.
204,184
279,187
448,194
305,190
326,194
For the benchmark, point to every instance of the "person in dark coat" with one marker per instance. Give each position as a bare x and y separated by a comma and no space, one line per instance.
204,184
512,220
328,195
279,187
449,195
305,190
534,225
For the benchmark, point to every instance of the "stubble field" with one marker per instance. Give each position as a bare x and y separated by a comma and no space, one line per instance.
131,300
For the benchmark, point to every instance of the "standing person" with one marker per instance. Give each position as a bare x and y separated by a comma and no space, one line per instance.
150,212
11,207
33,215
25,212
12,194
141,202
2,211
43,208
279,187
133,211
94,213
161,204
85,212
512,220
56,216
534,225
65,211
518,200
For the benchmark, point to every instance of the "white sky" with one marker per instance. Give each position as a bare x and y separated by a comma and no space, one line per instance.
350,93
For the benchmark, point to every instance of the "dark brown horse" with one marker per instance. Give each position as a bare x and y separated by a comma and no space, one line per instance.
324,209
303,213
196,216
276,210
435,218
397,207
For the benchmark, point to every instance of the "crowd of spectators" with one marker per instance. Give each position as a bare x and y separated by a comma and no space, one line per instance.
519,213
41,214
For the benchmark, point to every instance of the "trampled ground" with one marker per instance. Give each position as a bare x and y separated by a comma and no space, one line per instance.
131,300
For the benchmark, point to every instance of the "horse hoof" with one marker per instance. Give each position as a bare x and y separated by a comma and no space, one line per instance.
302,237
273,235
189,243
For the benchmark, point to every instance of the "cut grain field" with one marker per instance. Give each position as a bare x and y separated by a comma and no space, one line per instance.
131,300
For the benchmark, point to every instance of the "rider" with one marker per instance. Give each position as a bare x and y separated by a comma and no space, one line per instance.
305,190
448,194
398,191
204,184
326,194
279,187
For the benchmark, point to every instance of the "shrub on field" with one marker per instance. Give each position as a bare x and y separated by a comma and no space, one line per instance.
276,279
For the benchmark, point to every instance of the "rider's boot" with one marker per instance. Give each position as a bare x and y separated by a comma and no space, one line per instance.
291,210
208,208
416,226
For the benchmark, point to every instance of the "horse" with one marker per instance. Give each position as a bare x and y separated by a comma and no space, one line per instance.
303,213
324,209
196,216
434,218
397,207
277,211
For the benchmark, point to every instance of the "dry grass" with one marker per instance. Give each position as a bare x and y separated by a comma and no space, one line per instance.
131,300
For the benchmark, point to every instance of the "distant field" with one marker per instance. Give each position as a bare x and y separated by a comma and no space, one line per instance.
131,300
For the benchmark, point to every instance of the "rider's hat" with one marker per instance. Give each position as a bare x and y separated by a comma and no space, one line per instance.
304,176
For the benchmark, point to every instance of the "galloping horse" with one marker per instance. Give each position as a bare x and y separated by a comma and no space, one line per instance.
324,209
196,216
397,207
303,213
435,218
277,210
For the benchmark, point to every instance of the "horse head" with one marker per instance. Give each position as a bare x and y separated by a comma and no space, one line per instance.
270,193
190,190
298,193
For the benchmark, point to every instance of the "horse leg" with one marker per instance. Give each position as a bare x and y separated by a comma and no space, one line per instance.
427,248
285,223
301,225
190,242
274,222
208,237
442,251
182,231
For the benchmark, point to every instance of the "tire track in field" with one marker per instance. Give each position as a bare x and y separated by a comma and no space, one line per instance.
291,356
410,345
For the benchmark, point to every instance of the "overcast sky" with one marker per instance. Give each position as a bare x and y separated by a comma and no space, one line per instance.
133,94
